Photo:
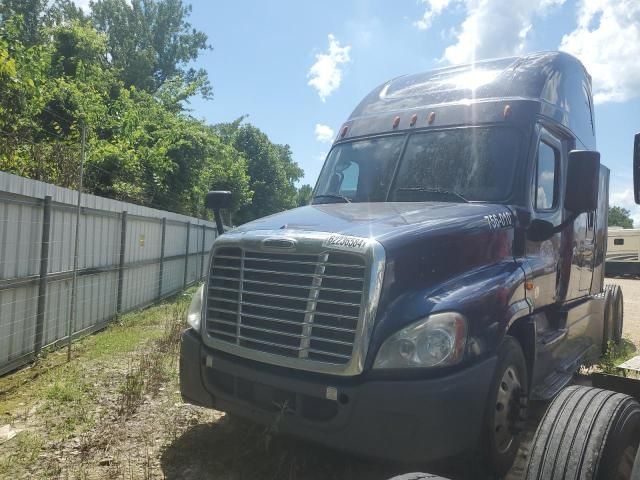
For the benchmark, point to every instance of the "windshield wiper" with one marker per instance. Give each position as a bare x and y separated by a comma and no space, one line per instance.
333,195
437,191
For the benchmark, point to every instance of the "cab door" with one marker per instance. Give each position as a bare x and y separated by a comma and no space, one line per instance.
543,257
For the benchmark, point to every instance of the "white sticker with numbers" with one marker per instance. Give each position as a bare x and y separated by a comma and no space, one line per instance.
345,242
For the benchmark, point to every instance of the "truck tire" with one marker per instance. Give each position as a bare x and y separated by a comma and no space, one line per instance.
607,334
618,314
586,433
506,409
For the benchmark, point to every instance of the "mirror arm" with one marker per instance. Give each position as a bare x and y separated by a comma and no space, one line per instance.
218,218
537,235
570,219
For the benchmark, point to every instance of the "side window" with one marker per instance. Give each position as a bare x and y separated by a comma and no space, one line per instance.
349,183
546,177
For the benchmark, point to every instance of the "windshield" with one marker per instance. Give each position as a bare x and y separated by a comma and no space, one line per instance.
464,164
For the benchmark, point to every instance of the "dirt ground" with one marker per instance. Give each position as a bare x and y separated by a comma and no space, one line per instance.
115,412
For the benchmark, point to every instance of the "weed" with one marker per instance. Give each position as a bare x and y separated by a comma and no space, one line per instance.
66,390
154,364
28,447
79,415
615,355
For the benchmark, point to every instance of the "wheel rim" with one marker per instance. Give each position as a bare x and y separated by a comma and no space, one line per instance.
506,409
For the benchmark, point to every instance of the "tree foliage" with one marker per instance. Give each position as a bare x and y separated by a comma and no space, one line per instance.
620,217
272,171
150,42
122,72
304,195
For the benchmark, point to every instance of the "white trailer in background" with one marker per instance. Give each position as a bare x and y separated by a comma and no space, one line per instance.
623,251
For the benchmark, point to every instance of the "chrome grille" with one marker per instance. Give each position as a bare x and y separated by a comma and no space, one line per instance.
304,306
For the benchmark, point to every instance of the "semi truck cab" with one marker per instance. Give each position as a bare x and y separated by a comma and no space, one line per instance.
448,270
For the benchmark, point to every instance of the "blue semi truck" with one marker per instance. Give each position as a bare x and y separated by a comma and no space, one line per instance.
448,271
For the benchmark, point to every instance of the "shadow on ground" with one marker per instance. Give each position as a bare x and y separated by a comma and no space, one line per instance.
233,449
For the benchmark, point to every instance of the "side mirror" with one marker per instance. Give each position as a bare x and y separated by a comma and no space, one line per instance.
583,175
216,201
636,167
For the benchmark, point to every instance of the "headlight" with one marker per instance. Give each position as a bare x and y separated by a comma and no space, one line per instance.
195,309
436,341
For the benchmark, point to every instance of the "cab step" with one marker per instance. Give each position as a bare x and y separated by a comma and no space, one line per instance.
551,385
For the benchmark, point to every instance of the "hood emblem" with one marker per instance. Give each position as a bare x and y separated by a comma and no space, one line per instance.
279,243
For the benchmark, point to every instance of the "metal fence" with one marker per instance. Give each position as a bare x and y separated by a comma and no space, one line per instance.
129,257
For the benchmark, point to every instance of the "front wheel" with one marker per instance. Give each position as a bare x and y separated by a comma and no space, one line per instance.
506,409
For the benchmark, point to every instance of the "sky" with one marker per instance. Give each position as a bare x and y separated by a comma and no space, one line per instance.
298,68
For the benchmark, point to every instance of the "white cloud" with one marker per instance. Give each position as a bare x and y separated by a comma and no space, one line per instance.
326,75
607,40
491,28
432,10
495,28
624,198
324,133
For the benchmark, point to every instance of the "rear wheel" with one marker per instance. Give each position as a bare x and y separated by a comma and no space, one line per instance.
506,409
607,334
586,433
618,314
613,315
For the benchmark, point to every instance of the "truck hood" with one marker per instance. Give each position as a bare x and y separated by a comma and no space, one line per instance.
438,257
385,222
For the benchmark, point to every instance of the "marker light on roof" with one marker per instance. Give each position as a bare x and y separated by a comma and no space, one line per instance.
432,117
344,131
414,119
507,111
396,122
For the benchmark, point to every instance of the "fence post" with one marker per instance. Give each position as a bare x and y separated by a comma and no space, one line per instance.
203,252
44,267
123,242
162,239
186,257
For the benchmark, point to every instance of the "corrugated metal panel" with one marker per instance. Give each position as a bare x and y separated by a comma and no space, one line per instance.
172,279
21,217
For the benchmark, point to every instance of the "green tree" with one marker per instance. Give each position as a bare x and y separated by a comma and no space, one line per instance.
271,168
304,195
57,75
151,42
620,217
32,15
